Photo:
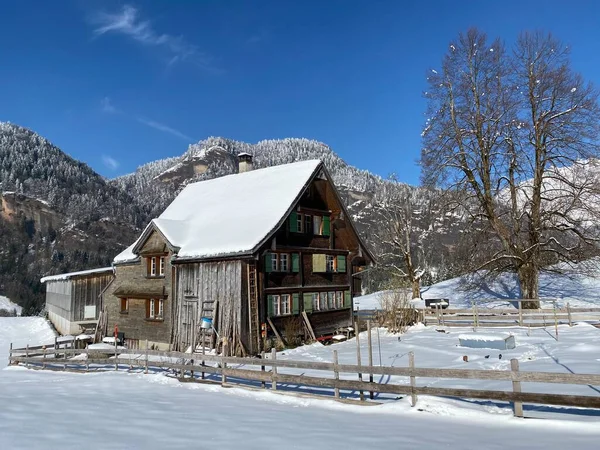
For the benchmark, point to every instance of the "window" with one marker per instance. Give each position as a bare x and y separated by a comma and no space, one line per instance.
124,305
330,263
282,304
299,226
317,225
308,224
156,266
284,262
285,302
330,300
155,309
274,262
315,301
339,299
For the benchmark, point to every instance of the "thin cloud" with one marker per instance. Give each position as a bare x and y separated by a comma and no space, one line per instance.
128,22
107,106
109,162
164,128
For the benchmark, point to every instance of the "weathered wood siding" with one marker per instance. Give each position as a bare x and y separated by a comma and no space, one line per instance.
86,292
218,284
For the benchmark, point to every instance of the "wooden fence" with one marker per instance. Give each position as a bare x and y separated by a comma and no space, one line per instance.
503,317
194,367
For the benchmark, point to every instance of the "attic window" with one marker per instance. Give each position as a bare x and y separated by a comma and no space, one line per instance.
156,266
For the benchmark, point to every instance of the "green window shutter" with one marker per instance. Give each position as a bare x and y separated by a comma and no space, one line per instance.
295,262
270,305
294,222
295,304
326,226
319,263
347,300
268,263
308,303
341,263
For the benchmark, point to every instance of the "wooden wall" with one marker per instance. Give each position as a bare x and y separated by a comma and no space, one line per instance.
218,284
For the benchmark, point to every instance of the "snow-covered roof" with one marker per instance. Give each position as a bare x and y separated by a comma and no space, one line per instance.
67,276
230,215
126,255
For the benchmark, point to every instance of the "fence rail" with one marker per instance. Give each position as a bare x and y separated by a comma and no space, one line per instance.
191,366
499,317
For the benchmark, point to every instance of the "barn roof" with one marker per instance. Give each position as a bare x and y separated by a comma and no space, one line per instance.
68,276
231,215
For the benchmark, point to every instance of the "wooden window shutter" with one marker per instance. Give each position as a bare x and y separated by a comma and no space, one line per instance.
326,226
347,300
341,263
268,263
148,308
270,305
319,263
295,303
308,303
295,262
294,222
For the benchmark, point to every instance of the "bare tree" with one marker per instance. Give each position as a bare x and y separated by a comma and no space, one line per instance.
407,226
516,131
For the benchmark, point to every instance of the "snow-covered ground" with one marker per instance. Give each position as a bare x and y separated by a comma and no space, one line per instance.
131,410
7,305
581,288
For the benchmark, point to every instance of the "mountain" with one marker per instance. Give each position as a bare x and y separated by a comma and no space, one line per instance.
58,215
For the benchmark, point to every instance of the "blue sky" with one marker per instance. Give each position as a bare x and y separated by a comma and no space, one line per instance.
118,84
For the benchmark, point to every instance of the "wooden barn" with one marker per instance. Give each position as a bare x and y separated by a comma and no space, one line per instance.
73,300
258,254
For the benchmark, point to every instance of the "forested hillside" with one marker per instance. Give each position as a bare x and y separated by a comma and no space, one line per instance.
59,215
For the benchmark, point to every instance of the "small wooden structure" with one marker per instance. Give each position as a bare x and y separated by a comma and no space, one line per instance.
73,300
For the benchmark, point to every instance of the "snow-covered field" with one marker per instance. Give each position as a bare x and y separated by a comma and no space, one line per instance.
579,289
7,305
130,410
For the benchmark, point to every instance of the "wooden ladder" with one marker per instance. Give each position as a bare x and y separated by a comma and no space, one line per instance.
206,337
254,314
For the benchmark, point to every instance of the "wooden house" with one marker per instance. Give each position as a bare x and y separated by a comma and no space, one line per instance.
259,253
73,300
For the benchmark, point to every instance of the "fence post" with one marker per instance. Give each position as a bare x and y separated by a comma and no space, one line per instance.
336,374
370,356
360,378
413,381
10,354
274,370
223,363
87,359
517,406
262,368
44,357
65,363
27,355
520,313
146,362
55,347
474,318
555,320
116,356
569,314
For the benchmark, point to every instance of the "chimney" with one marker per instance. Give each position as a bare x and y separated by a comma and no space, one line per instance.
245,160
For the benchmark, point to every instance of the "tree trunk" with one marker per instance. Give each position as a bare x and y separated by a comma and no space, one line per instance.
416,288
529,283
